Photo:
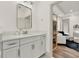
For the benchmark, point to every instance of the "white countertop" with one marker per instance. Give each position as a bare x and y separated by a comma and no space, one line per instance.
13,37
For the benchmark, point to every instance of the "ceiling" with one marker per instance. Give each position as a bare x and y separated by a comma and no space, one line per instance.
68,6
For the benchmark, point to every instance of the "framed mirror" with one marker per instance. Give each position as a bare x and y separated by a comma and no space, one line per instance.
24,17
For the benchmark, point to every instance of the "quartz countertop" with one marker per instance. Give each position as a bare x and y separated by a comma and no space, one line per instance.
13,37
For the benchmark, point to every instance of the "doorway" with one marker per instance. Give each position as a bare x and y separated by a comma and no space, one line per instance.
54,18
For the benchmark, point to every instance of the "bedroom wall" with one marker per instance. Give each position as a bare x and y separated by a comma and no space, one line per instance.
74,19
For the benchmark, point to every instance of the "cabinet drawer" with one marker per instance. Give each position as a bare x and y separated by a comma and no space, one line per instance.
43,36
29,39
11,53
10,44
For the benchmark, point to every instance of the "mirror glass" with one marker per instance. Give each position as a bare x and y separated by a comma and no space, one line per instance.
24,19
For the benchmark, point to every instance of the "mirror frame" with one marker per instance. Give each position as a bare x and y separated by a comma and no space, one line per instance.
17,16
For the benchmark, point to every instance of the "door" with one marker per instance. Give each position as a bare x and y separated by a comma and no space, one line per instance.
11,53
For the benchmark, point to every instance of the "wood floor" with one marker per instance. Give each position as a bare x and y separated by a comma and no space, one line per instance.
65,52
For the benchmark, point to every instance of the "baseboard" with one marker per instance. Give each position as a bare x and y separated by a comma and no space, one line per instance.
49,54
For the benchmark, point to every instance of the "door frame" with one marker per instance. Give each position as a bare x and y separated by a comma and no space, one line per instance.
51,27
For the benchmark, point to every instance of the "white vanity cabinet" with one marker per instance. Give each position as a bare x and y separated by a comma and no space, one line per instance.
26,51
11,53
34,46
11,49
31,48
24,47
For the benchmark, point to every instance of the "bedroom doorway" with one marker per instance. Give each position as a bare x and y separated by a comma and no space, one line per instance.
54,18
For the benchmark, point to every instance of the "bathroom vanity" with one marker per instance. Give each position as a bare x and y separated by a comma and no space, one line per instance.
23,45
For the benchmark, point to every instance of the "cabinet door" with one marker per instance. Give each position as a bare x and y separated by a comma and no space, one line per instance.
0,49
43,44
26,51
11,53
36,50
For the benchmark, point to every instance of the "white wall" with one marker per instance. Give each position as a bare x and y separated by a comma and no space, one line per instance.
34,17
65,25
74,19
8,16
